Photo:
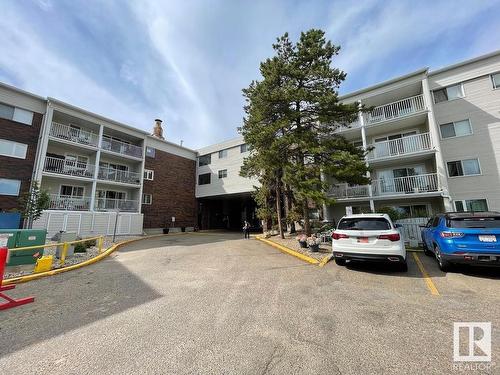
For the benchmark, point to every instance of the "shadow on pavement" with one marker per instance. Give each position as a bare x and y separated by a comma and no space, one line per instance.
68,301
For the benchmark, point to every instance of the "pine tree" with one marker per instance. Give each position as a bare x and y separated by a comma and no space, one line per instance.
291,118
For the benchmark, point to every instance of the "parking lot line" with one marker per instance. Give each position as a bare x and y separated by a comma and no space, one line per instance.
427,278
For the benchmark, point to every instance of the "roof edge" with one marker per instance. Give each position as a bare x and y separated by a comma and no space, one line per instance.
465,62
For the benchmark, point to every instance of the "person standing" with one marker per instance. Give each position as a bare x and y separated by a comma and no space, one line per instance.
246,229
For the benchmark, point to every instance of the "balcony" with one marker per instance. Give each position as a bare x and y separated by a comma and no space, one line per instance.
68,167
396,110
126,205
65,202
122,148
353,125
111,174
423,183
401,146
73,134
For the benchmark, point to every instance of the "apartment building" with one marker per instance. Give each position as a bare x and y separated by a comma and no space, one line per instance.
224,197
21,118
432,137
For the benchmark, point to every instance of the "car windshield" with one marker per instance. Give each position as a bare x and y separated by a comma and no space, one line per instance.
475,222
362,223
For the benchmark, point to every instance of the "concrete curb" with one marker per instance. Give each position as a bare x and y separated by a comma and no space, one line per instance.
325,260
289,251
108,251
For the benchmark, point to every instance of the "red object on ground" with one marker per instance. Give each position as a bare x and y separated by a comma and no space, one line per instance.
10,301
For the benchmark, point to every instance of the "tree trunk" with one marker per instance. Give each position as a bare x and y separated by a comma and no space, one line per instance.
278,206
289,207
307,223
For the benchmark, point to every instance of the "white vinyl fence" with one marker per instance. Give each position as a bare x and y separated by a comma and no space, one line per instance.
90,223
411,229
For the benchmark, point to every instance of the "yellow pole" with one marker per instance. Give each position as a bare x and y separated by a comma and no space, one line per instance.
101,240
64,252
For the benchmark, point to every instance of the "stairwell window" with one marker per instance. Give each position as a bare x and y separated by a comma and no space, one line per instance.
223,173
495,78
204,160
147,198
204,179
149,174
455,129
467,167
448,93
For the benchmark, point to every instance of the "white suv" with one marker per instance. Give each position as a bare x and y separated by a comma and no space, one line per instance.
371,237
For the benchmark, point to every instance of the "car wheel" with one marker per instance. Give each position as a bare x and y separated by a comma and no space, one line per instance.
443,264
427,251
339,262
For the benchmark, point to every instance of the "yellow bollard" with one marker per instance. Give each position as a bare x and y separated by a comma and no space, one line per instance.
64,252
100,243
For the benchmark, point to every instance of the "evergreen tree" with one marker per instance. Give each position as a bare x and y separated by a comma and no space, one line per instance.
291,118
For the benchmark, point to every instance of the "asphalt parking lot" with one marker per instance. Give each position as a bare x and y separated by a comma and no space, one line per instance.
215,303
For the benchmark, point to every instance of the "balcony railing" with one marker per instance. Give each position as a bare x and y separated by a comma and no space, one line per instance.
353,125
121,147
401,146
66,202
72,134
111,174
422,183
104,204
68,167
395,110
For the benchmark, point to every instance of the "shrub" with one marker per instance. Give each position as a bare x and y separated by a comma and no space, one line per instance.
80,248
90,243
393,213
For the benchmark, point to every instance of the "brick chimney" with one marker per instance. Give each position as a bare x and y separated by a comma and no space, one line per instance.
157,129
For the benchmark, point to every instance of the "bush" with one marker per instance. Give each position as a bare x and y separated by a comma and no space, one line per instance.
393,213
80,248
90,243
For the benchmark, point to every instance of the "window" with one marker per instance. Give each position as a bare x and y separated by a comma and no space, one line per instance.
435,221
471,205
149,174
147,198
243,148
71,191
150,152
9,187
204,179
13,149
466,167
16,114
448,93
414,210
496,80
204,160
364,224
455,129
222,154
223,173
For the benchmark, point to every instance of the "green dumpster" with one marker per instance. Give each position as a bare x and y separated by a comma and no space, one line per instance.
26,238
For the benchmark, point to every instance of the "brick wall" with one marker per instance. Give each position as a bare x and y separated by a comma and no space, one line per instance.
19,169
173,190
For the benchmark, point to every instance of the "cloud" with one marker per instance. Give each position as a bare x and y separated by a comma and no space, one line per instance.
186,62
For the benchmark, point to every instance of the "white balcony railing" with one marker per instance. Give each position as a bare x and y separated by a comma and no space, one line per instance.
111,174
104,204
353,125
395,110
73,134
422,183
68,167
401,146
66,202
121,147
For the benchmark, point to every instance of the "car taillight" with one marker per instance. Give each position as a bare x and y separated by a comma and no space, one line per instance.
451,234
391,237
338,236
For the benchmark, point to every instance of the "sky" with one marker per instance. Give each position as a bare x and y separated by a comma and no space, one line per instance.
187,61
